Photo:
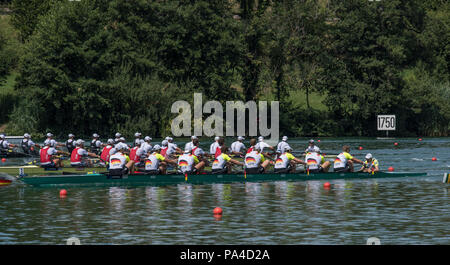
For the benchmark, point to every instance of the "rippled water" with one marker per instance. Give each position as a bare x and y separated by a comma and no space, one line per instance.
397,211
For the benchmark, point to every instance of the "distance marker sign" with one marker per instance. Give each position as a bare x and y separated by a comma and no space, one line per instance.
386,122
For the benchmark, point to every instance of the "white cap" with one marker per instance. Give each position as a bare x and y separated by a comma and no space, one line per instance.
311,141
167,138
80,142
164,143
193,137
147,138
216,138
49,135
369,156
2,136
260,139
118,135
119,147
95,135
71,135
26,135
285,138
240,138
156,147
170,139
122,139
138,134
110,141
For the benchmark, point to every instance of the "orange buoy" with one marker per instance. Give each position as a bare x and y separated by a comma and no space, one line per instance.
390,169
62,193
3,160
434,159
326,185
217,211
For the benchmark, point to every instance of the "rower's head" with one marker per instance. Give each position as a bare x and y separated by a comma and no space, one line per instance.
119,148
195,142
122,139
148,139
193,137
27,136
137,135
95,136
240,138
71,136
110,141
164,143
285,138
221,141
118,135
261,138
157,148
49,135
80,143
252,142
2,136
224,149
311,142
217,138
346,148
369,157
170,139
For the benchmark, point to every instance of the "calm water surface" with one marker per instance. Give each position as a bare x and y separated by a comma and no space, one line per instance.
397,211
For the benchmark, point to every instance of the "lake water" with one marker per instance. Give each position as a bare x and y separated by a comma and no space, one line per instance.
397,210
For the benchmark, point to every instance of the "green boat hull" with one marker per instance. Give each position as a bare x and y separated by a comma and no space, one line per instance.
163,180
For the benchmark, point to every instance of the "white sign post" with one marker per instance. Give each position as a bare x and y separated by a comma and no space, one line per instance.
386,123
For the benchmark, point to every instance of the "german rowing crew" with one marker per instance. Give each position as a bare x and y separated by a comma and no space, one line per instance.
121,158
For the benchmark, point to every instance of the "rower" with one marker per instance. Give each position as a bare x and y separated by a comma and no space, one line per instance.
157,163
196,150
119,163
28,145
222,163
104,156
316,162
70,143
191,143
312,147
263,145
124,144
137,154
164,148
238,147
147,146
283,145
189,163
46,156
117,139
96,144
286,162
137,139
5,145
77,158
370,165
255,162
213,146
220,144
172,148
252,145
50,139
344,161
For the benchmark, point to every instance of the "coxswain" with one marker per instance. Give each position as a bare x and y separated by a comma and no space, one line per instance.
238,147
191,143
28,145
344,161
104,156
312,147
189,163
283,145
96,144
255,162
137,138
79,155
156,163
70,143
370,165
286,162
119,163
316,162
222,163
213,146
147,146
46,156
137,154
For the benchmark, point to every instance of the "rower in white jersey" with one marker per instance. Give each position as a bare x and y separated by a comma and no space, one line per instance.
191,143
5,145
137,138
189,163
312,147
315,162
172,148
156,163
147,144
263,145
117,137
213,146
70,143
119,163
96,144
50,139
283,145
238,147
286,162
344,161
255,162
222,163
28,145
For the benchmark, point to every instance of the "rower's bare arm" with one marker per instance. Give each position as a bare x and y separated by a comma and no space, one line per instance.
299,161
236,162
356,160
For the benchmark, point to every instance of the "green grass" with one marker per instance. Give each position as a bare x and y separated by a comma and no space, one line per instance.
315,100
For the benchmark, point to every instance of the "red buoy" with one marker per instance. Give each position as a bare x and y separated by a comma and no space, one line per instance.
395,144
3,160
326,185
420,139
390,169
217,210
360,148
62,193
434,159
318,141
